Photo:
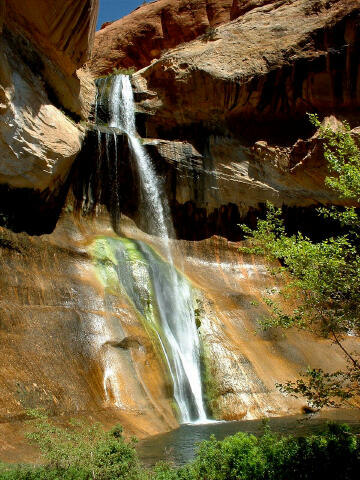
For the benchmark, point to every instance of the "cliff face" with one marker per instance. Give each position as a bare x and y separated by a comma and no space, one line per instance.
273,63
62,31
230,106
74,339
213,189
137,39
44,96
155,27
70,345
242,362
224,117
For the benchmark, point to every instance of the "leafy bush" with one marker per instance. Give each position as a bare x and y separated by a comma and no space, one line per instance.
323,279
333,455
87,452
78,452
210,34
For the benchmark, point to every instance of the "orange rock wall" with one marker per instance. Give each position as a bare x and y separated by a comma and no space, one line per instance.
76,349
45,93
60,342
135,40
62,30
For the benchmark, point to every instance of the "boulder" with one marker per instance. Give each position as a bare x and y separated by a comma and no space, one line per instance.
38,141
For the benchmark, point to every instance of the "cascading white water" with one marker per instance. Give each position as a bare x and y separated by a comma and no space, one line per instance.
173,293
122,113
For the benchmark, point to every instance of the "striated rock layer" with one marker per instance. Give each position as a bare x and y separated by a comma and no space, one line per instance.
273,63
68,344
38,141
240,101
229,109
229,183
242,362
63,31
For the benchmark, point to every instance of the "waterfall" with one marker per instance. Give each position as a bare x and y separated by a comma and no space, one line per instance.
122,114
180,340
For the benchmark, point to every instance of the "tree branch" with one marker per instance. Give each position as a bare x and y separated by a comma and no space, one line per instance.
349,356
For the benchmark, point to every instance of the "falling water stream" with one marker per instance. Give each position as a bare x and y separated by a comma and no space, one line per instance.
179,338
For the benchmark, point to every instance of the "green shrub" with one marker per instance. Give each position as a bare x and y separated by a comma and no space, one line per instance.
235,457
119,71
78,452
210,34
321,278
333,455
84,452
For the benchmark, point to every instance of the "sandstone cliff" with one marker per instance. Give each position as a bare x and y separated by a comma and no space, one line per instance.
224,114
78,346
157,26
274,62
44,95
230,107
62,31
68,344
137,39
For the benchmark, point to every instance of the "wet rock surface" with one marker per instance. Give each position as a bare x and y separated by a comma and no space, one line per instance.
68,344
241,361
209,194
76,345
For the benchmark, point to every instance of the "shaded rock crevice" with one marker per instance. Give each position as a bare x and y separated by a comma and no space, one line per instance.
32,211
209,194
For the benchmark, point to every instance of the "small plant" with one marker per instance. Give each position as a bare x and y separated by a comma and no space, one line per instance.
210,34
314,7
124,71
199,312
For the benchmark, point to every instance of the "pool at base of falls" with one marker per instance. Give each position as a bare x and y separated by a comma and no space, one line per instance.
179,446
